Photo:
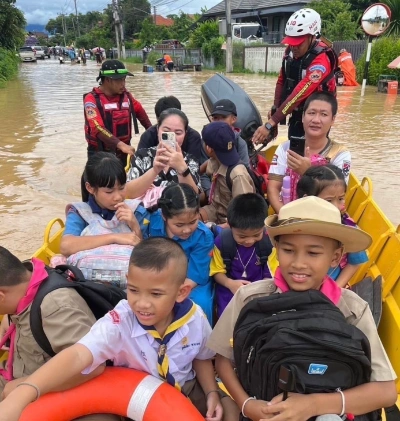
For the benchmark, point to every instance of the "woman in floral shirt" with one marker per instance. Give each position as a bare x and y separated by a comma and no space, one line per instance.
181,167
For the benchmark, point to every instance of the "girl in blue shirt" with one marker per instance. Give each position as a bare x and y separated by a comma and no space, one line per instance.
178,218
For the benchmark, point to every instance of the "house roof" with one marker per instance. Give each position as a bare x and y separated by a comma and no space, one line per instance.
162,21
247,5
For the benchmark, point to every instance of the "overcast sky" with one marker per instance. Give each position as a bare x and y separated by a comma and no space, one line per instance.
40,11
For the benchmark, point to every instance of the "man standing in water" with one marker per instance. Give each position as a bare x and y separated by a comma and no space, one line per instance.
308,66
109,111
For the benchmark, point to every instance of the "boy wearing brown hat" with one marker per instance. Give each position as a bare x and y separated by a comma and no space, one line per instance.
309,238
224,161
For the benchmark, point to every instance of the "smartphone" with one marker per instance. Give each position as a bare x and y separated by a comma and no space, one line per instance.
168,138
297,144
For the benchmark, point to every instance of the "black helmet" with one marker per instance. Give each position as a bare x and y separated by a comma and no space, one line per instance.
114,69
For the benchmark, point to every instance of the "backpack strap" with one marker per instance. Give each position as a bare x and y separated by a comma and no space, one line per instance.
264,249
84,211
228,249
133,114
58,278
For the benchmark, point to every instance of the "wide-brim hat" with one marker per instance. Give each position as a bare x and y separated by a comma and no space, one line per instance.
314,216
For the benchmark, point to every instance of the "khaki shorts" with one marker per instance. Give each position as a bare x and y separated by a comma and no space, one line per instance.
194,392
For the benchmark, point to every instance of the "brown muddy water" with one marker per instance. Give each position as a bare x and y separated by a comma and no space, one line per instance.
43,149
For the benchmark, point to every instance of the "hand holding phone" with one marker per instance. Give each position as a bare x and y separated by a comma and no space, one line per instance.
297,144
168,138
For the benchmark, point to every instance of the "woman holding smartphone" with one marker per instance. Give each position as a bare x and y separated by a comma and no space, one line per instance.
181,167
294,157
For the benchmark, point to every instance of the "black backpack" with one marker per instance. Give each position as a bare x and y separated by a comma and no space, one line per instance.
298,342
228,249
100,298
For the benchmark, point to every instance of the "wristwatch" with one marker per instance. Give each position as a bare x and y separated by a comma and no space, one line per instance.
268,126
186,172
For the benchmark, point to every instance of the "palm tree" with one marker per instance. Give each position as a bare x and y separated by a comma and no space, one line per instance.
394,27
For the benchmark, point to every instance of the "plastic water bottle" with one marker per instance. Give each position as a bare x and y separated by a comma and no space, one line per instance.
285,192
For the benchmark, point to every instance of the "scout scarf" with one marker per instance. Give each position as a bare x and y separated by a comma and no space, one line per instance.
329,287
182,313
39,274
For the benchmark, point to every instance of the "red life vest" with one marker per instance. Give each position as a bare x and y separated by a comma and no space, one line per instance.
116,117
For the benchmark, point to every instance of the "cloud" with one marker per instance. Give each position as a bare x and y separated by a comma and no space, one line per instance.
41,11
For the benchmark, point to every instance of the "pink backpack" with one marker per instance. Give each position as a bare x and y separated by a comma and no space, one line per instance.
106,263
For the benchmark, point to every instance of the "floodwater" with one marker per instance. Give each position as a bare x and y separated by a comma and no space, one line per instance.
43,149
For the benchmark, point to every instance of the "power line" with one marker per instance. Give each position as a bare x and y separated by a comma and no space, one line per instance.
179,7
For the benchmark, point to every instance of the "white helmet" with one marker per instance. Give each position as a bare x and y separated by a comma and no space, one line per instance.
303,22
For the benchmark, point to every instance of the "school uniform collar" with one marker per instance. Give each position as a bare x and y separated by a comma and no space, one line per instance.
183,331
104,213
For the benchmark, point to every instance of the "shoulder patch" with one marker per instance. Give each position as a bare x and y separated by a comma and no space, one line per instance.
346,168
274,159
90,105
319,67
116,319
315,76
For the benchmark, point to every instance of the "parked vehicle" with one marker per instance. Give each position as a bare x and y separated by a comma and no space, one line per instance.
27,54
39,52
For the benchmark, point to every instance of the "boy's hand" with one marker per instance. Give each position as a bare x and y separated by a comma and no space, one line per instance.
296,407
214,407
234,285
10,411
255,410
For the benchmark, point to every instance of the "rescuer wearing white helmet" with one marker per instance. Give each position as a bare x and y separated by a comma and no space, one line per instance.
308,66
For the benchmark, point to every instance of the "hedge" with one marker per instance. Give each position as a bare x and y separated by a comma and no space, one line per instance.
384,50
9,62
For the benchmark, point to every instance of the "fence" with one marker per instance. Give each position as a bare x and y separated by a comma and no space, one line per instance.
268,58
264,58
355,48
188,56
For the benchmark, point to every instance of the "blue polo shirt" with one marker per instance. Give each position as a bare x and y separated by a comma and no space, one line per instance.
198,248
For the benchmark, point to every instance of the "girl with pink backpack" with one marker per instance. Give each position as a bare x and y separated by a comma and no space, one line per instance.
101,232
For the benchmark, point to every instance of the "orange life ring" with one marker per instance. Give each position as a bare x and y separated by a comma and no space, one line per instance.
119,391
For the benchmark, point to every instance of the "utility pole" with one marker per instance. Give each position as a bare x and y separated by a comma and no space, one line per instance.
229,60
77,19
63,27
155,15
121,29
116,23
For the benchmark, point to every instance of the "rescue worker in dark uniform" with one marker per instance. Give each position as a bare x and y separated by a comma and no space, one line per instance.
109,112
308,66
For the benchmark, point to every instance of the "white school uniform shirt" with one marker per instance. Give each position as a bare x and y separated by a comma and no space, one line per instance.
279,162
119,337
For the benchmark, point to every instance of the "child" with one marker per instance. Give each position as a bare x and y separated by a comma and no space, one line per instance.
328,183
309,238
225,110
157,300
66,318
246,215
101,231
219,139
178,218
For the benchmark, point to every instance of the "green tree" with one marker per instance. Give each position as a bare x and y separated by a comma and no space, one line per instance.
394,28
359,6
182,27
338,22
151,34
205,32
12,24
134,12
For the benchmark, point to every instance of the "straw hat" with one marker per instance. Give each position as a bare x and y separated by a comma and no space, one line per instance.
314,216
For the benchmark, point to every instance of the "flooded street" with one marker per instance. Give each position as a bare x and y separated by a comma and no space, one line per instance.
43,149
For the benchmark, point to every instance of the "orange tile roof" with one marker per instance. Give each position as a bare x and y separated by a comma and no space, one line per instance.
162,21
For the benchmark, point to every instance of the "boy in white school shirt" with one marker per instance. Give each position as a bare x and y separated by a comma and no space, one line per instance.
157,314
